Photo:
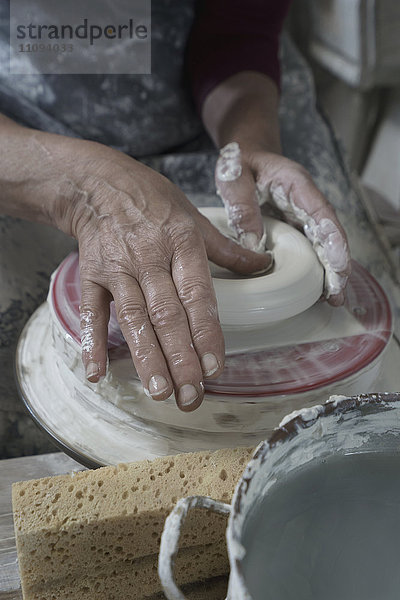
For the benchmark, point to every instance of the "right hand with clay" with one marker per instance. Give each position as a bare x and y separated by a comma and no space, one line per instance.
141,243
241,115
270,178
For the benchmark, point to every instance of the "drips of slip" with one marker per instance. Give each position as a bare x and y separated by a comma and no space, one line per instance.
329,530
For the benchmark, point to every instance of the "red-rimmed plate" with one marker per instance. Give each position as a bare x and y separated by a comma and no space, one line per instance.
287,369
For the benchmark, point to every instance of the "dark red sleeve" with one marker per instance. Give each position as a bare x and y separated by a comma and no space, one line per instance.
229,36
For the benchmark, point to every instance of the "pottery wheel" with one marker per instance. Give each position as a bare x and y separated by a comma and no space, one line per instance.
307,350
270,363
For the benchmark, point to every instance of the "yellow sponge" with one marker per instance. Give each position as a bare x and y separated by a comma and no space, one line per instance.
98,532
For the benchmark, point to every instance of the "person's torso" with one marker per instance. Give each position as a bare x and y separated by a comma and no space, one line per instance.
138,114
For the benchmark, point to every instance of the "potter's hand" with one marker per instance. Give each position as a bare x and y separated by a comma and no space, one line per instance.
241,115
141,243
268,177
144,244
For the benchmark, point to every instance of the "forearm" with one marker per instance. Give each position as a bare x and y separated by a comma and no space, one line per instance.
33,168
244,109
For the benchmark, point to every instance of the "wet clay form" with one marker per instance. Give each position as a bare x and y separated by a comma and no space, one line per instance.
285,350
294,283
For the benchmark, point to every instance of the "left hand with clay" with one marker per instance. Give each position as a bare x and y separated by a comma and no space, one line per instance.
241,115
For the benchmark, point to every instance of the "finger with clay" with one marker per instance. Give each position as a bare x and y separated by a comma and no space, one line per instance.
235,185
245,182
296,196
241,115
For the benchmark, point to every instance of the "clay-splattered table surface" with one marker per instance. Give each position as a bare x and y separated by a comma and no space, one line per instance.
43,465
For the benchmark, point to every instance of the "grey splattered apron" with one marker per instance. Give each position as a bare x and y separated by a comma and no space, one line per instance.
151,118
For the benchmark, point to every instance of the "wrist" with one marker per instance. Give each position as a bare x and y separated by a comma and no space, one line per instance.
43,175
28,173
244,109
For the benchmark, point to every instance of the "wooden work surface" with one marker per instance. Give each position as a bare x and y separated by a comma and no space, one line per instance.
43,465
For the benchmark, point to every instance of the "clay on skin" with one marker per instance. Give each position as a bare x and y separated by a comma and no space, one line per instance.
327,240
229,169
87,340
229,164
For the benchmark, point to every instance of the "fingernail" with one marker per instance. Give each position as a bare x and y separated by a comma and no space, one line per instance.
250,241
92,371
187,395
209,364
157,385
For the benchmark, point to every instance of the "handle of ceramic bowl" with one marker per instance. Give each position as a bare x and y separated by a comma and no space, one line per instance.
170,539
